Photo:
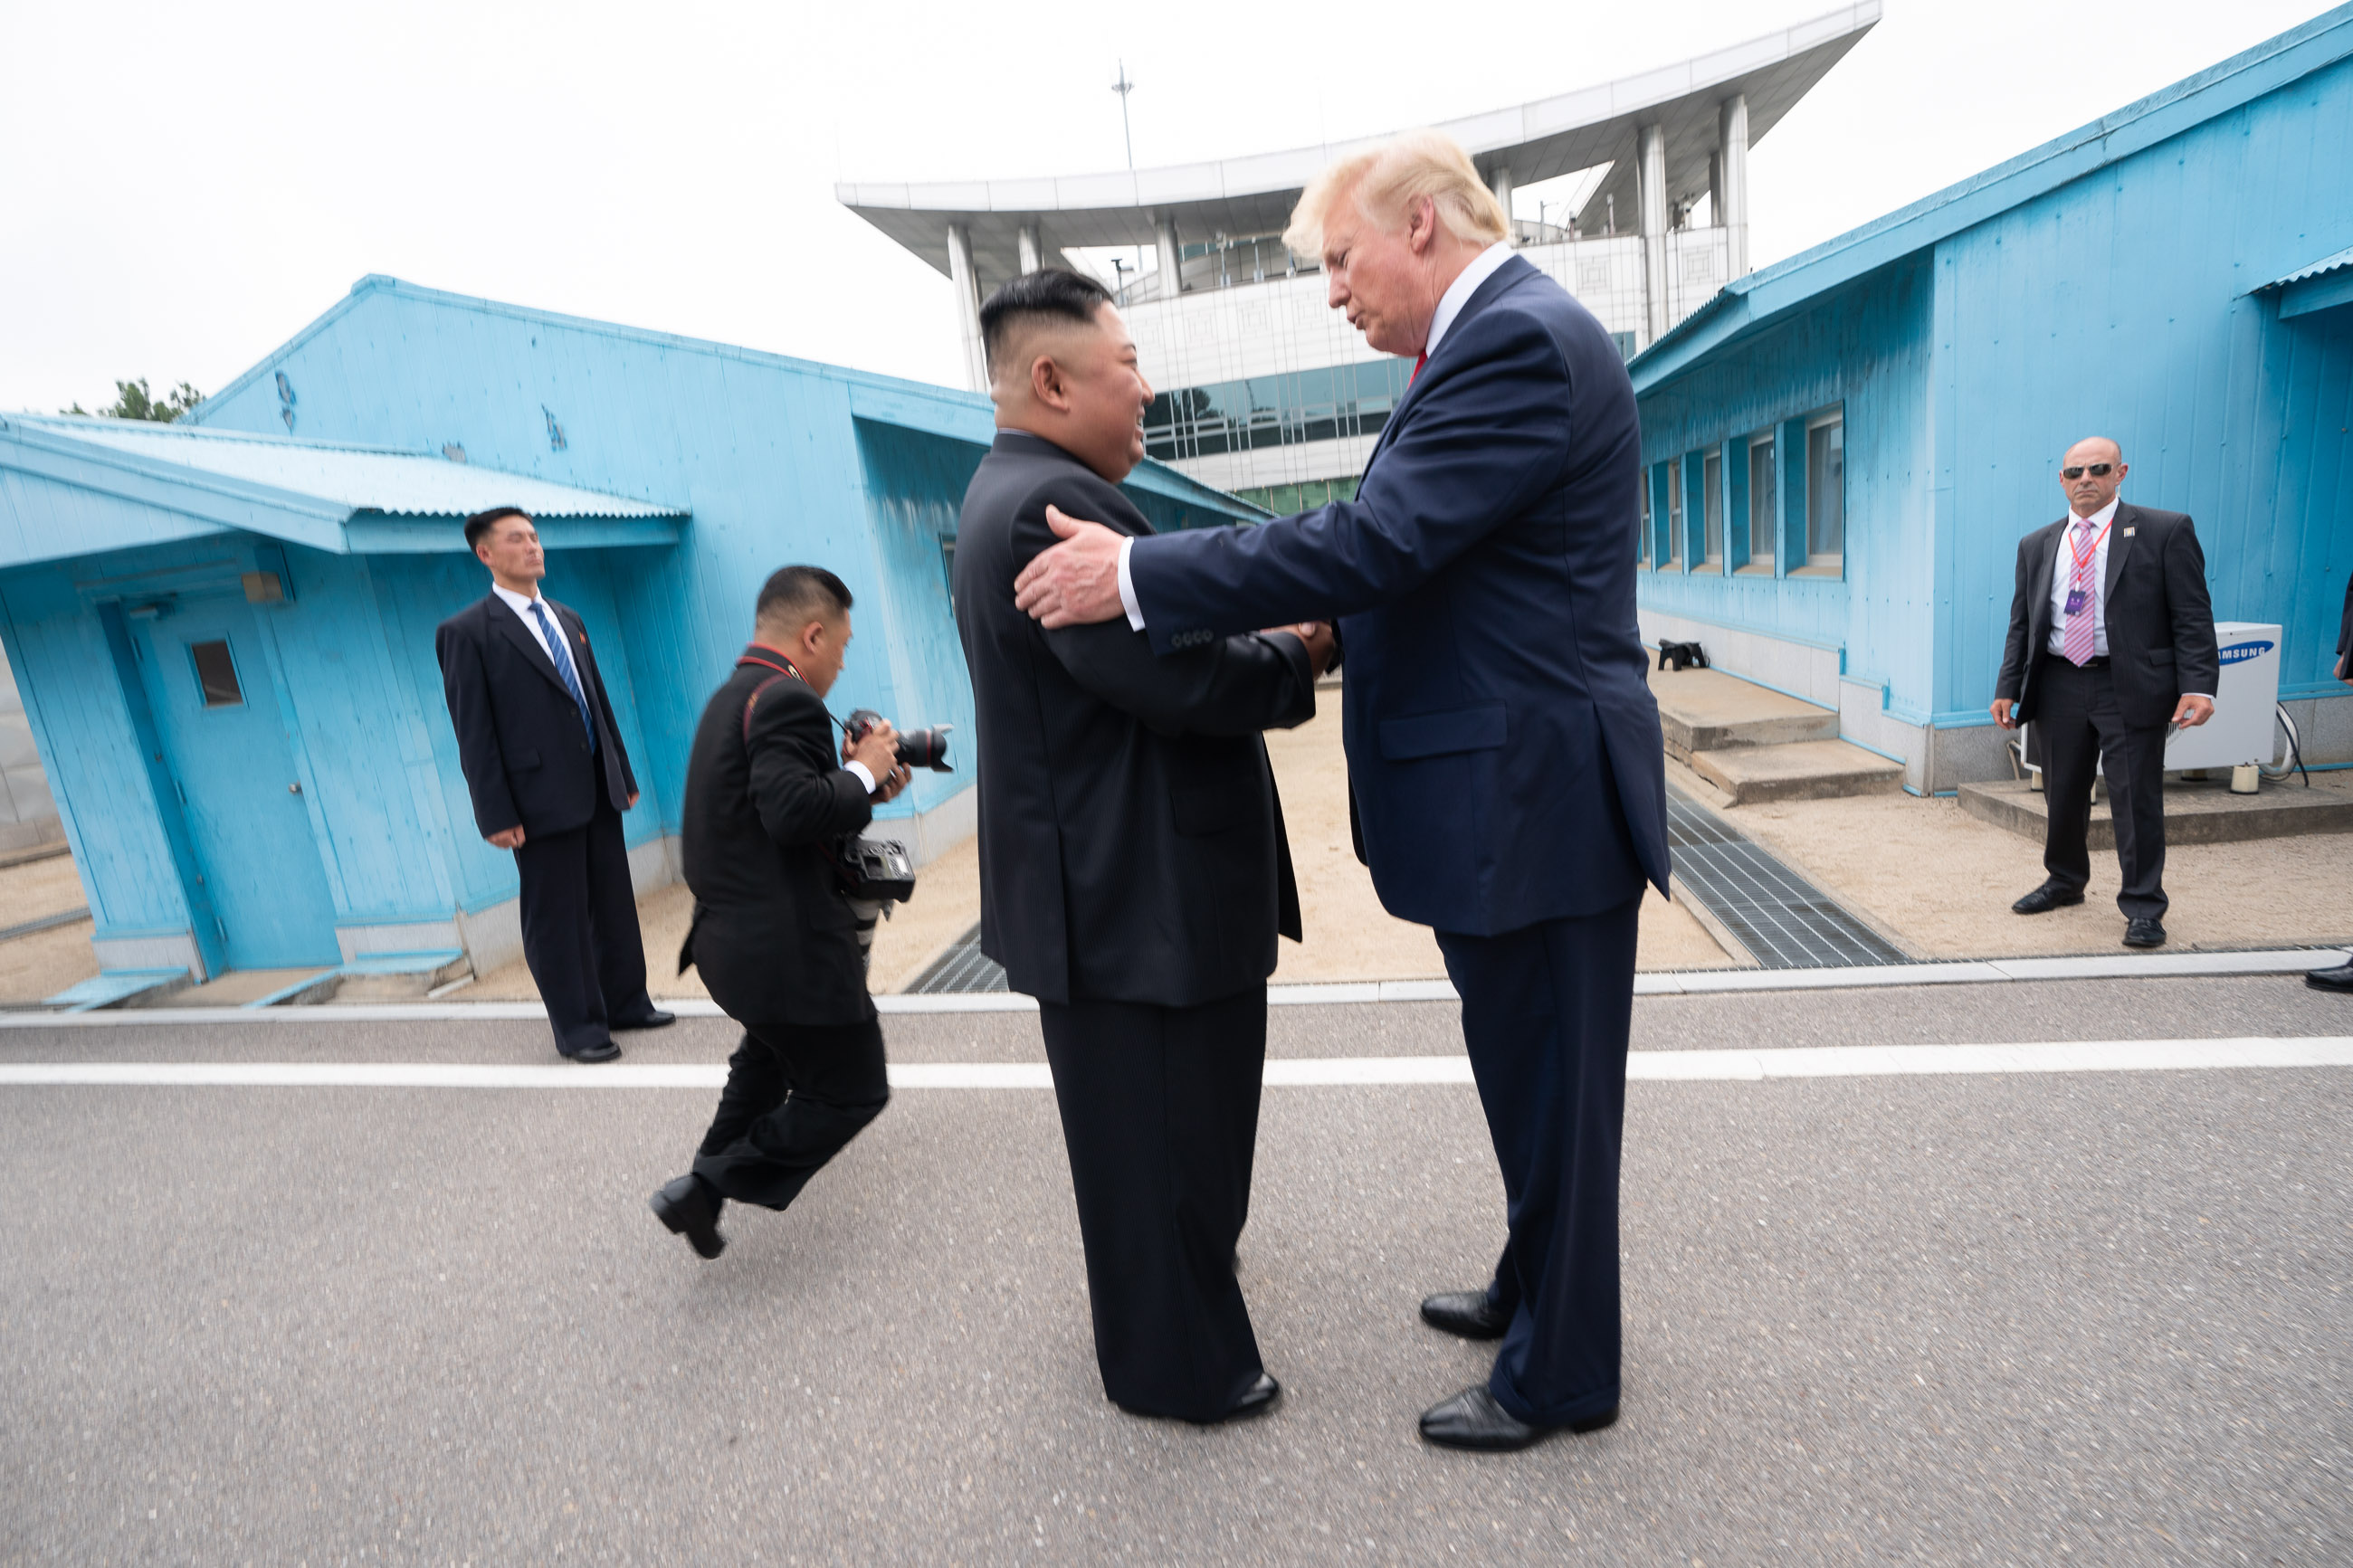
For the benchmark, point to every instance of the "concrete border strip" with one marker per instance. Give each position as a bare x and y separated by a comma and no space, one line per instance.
1667,983
1293,1072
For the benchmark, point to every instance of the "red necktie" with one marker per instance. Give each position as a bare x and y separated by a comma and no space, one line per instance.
1421,359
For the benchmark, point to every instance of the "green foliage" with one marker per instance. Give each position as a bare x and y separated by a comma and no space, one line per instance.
133,401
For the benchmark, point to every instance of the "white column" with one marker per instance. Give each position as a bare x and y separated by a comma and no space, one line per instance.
1651,187
1730,195
1026,236
1500,181
1172,265
967,294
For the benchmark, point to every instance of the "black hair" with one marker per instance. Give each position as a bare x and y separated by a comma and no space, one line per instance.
801,594
481,522
1050,293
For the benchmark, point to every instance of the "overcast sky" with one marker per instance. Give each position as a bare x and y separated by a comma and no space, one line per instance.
184,186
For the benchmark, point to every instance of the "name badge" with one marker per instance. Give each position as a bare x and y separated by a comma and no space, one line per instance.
2076,598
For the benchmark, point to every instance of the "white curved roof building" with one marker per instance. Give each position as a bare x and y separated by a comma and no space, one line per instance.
1266,392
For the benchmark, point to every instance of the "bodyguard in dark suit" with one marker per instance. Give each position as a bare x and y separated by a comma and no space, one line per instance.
544,763
1505,758
1134,871
2110,638
767,797
2340,977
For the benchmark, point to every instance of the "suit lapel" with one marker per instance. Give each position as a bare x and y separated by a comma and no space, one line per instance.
511,623
1486,294
2121,531
2046,562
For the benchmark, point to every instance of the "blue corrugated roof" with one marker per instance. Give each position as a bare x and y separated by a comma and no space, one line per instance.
2326,264
1748,303
359,478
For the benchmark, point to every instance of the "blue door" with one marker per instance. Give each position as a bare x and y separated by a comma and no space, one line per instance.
224,744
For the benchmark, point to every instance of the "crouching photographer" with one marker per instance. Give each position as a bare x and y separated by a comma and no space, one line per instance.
772,816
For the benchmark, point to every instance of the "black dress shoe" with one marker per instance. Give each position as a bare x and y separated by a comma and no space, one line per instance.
690,1209
1472,1420
2337,979
2143,933
2045,898
1469,1313
651,1018
1256,1400
604,1051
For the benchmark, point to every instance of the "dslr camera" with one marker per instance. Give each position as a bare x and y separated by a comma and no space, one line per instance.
917,748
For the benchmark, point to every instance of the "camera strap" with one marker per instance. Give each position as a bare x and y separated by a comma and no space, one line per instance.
785,671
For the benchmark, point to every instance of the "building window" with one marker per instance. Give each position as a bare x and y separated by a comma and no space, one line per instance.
1675,513
216,675
1269,411
1712,508
1826,492
1642,548
1764,514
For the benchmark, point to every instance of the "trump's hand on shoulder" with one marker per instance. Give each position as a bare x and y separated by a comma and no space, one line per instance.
1076,581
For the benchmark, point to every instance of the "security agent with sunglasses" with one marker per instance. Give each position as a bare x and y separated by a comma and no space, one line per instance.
2111,640
766,795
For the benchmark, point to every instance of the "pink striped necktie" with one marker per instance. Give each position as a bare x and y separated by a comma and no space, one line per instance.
2084,590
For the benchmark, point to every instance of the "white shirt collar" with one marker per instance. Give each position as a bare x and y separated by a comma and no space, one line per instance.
1458,293
2098,520
520,603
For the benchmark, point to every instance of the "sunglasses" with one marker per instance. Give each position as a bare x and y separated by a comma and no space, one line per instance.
2097,470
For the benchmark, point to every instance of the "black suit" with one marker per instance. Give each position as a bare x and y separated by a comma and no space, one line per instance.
1134,876
773,934
2159,625
531,762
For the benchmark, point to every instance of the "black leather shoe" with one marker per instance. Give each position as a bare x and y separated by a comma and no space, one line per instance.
604,1051
2337,979
2143,933
1469,1313
2045,898
651,1018
1472,1420
1257,1399
690,1209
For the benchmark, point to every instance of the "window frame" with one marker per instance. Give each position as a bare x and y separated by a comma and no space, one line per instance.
204,687
1823,563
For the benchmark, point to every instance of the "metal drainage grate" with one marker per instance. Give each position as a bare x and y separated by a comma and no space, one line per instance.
963,968
1784,921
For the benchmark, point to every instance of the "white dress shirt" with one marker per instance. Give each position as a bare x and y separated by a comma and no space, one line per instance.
1457,294
521,605
2063,578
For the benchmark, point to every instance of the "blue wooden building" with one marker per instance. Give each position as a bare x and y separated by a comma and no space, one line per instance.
222,630
1845,447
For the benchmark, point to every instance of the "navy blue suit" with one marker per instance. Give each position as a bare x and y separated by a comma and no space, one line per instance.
1503,755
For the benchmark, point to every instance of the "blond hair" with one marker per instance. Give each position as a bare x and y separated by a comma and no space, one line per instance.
1389,179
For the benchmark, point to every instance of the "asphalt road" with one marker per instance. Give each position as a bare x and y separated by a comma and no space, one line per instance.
2097,1318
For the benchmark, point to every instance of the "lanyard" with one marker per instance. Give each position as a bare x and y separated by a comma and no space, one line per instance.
2080,556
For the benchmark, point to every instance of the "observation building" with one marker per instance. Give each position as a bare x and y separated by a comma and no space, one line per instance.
1266,392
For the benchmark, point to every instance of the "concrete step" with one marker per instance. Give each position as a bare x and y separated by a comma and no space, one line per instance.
1800,770
2195,812
1708,710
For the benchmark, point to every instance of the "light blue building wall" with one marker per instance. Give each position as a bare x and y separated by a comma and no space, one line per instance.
2123,281
302,535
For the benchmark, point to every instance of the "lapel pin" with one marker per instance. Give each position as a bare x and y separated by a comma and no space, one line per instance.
2128,532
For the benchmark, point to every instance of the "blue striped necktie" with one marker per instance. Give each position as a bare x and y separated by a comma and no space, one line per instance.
563,657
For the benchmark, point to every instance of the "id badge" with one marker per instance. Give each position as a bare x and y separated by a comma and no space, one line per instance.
2075,597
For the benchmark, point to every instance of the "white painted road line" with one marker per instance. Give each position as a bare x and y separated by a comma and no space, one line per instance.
1302,1072
1675,983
